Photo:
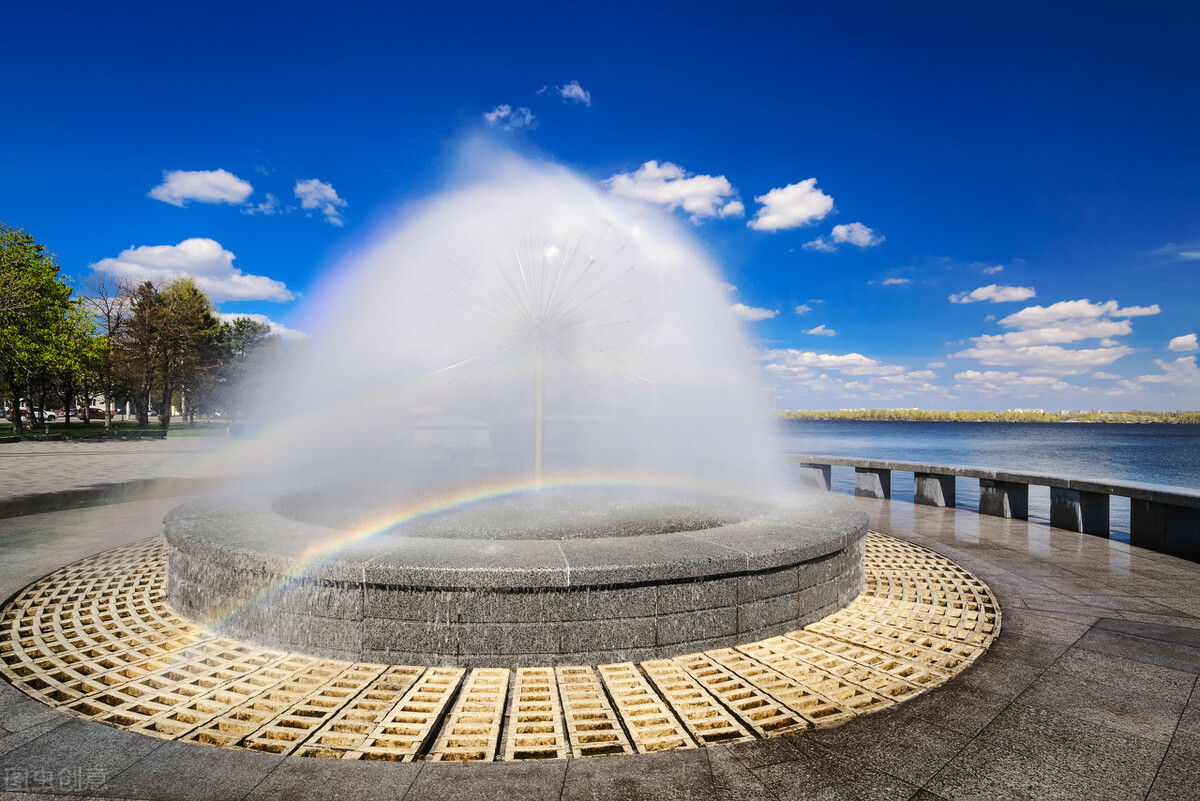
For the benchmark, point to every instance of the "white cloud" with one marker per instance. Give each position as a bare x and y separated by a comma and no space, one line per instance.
992,270
935,365
209,264
575,93
1065,331
282,331
1178,252
994,293
820,244
670,185
202,186
734,208
506,118
1105,376
1182,372
856,233
791,206
318,195
266,208
994,381
854,364
1038,316
821,331
896,281
1044,358
1184,343
803,308
752,314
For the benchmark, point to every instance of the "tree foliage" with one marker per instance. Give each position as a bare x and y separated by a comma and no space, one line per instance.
155,346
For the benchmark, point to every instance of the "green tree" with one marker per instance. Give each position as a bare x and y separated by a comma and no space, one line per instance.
187,348
247,346
34,300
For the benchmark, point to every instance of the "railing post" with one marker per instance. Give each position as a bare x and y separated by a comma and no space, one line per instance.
1004,498
872,482
1164,527
1079,510
933,489
815,475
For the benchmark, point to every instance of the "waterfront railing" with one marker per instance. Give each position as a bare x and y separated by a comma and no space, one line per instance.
1161,519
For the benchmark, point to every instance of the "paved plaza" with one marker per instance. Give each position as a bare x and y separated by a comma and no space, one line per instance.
1091,690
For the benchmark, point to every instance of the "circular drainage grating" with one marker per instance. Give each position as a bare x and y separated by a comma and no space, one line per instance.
98,640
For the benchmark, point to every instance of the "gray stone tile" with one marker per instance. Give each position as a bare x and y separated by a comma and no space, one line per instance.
982,772
1189,721
1171,634
1179,775
541,781
732,780
1121,709
756,754
819,773
1078,746
10,740
1174,655
955,706
669,776
1056,628
910,750
336,780
186,771
1121,669
92,751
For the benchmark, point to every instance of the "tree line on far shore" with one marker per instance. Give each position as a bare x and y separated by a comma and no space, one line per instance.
935,415
149,344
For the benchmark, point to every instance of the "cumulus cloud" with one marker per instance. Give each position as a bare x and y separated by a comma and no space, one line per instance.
998,268
575,93
1106,376
320,196
670,185
1184,343
803,308
994,293
204,260
282,331
1037,316
995,381
753,314
791,206
821,245
896,281
266,208
856,364
1044,358
507,118
857,234
1181,372
821,331
202,186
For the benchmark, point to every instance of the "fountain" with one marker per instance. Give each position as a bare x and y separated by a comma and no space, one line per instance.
549,448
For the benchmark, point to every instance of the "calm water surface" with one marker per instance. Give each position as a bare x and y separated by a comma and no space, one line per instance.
1164,455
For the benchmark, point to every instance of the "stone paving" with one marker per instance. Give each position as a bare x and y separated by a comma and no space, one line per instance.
1091,691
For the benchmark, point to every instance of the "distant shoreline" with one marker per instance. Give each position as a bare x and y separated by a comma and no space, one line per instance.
937,416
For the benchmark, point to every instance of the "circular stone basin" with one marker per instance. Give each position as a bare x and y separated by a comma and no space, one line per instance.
573,576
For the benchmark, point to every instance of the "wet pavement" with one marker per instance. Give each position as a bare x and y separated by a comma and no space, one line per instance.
1090,692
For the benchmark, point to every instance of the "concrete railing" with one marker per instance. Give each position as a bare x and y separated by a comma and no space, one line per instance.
1166,520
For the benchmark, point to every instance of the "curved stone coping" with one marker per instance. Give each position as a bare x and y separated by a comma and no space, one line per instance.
248,532
1175,496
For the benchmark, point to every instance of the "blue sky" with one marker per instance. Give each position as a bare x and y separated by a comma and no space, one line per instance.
940,205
